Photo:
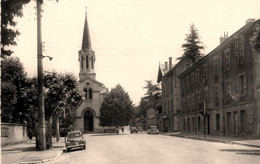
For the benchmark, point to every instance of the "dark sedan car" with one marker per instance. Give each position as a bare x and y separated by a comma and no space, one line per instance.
75,139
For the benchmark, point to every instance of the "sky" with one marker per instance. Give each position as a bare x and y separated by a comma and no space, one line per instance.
129,37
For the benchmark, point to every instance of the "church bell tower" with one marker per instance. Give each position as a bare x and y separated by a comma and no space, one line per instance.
86,55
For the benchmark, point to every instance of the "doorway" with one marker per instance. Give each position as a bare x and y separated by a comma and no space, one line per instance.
88,121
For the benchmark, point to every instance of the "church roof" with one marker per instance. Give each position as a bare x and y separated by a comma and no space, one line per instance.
86,42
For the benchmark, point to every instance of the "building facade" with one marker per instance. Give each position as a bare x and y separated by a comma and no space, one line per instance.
220,92
93,91
171,93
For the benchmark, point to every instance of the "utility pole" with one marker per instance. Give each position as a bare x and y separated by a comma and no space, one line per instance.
41,132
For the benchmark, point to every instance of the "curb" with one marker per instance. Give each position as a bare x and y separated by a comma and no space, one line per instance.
45,160
214,140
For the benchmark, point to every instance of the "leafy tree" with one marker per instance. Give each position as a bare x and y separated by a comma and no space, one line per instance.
8,101
9,10
61,93
117,108
193,45
15,85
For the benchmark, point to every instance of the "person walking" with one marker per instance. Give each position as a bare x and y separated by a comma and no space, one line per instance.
122,129
30,134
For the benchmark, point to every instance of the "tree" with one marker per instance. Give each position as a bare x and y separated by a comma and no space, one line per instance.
61,94
14,85
117,108
9,10
193,45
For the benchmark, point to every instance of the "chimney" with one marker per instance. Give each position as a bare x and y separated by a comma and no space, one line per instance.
222,39
166,66
170,63
250,20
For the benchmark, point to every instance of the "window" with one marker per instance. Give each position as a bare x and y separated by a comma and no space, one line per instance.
215,60
182,86
242,84
187,82
171,86
192,101
206,96
227,59
171,107
228,121
216,95
192,79
168,111
81,62
217,122
240,48
228,87
243,119
87,62
205,71
197,98
86,93
92,62
90,93
188,102
183,105
4,132
197,76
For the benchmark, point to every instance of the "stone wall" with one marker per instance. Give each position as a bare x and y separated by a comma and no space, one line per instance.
12,133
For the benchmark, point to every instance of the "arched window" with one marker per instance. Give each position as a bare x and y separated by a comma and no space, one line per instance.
90,93
87,62
92,62
86,92
81,62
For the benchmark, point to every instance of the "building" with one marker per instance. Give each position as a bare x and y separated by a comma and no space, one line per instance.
92,90
170,117
220,93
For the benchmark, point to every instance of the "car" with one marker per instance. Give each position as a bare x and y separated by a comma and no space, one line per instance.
133,130
74,140
153,130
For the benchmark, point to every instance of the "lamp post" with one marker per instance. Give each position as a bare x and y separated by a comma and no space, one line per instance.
41,132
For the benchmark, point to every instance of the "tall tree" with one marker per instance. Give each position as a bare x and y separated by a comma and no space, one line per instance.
193,45
117,108
61,94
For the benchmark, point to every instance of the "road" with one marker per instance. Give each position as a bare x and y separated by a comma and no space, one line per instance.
144,149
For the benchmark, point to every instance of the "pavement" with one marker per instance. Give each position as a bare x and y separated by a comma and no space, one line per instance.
26,153
252,142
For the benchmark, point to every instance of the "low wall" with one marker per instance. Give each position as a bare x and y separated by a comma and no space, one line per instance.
12,133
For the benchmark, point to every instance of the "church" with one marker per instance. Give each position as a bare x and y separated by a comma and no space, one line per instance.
92,91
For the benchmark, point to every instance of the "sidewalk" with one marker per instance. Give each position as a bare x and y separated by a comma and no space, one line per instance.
224,139
26,153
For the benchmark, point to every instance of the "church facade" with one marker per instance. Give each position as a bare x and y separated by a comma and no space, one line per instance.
92,91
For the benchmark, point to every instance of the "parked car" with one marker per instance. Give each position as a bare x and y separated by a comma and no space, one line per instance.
153,130
133,130
75,139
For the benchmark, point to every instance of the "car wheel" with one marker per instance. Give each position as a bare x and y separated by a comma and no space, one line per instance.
68,149
84,147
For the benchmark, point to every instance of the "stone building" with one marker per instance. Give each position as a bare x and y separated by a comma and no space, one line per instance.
92,90
220,93
170,117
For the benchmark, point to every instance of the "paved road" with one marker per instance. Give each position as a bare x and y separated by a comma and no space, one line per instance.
144,149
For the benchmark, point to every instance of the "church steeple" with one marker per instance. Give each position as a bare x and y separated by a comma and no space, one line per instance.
86,42
86,55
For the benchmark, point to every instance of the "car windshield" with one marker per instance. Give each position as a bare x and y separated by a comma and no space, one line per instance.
74,135
153,127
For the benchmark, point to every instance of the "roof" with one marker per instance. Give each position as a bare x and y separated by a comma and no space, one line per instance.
86,42
161,72
74,131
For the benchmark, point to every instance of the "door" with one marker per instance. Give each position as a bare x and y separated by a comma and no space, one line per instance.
88,121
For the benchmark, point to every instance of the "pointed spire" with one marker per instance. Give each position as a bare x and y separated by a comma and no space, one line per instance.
86,42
